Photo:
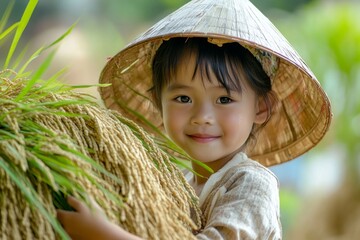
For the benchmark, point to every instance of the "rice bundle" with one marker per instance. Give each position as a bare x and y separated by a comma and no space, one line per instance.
55,142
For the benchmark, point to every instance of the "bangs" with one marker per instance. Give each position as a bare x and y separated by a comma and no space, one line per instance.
227,69
222,61
231,64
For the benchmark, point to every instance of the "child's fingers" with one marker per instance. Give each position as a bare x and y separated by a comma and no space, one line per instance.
76,204
96,207
64,217
68,221
61,215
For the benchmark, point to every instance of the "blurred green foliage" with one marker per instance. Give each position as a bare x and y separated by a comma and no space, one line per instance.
328,38
290,203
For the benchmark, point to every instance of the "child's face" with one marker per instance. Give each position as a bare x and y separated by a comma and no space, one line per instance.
202,118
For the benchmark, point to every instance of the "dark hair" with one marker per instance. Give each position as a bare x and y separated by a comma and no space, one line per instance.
231,63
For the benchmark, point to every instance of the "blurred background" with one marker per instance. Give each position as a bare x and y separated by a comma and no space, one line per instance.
320,191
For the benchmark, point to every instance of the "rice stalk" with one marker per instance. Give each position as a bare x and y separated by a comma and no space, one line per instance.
68,144
55,142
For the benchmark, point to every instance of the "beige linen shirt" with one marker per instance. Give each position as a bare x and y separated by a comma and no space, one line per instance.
240,201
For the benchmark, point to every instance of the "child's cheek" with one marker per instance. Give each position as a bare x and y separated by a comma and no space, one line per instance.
174,117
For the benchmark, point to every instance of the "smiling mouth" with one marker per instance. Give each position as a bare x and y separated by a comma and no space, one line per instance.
203,138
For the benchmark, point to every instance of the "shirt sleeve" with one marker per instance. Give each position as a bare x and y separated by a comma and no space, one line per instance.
243,205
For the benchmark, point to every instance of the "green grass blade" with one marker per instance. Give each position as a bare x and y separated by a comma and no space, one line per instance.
66,185
169,145
183,165
62,103
163,141
53,84
110,195
41,172
67,114
19,58
7,134
60,202
92,85
4,19
33,128
20,29
40,71
42,49
142,118
32,57
58,162
8,30
94,164
62,36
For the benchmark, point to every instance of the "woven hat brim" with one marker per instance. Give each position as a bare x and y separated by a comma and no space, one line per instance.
304,114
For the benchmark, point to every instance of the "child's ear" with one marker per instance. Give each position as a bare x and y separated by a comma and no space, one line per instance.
263,111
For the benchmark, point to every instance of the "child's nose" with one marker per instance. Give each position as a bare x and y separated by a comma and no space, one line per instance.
203,114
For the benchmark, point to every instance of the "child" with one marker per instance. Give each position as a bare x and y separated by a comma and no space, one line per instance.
225,85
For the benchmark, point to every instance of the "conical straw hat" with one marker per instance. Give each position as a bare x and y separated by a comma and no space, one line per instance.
304,114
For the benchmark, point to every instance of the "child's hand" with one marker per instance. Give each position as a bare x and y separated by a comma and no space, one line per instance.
89,224
83,223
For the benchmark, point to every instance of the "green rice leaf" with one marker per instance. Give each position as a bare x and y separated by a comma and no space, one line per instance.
115,198
4,19
67,114
162,140
6,133
57,162
8,30
143,119
43,67
92,85
15,153
42,172
94,164
62,36
183,165
60,202
20,29
32,57
168,144
30,194
42,49
65,185
52,84
62,103
19,57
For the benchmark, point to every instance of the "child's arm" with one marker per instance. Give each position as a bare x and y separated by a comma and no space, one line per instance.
87,224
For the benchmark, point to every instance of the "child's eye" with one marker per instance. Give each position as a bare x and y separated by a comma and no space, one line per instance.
224,100
183,99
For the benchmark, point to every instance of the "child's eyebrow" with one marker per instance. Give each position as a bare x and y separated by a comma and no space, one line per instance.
177,86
